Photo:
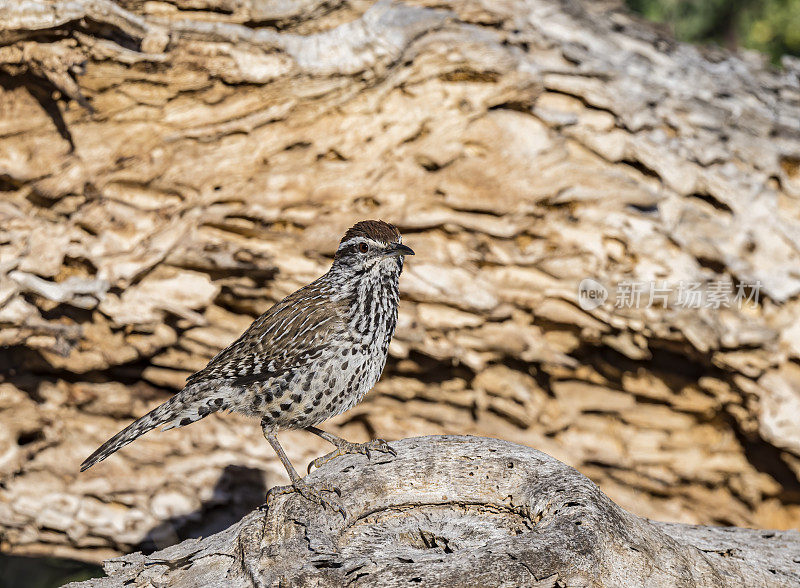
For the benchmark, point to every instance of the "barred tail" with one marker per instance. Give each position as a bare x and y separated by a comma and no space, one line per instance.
183,408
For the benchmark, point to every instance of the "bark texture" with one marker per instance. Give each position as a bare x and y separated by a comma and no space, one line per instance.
169,169
463,511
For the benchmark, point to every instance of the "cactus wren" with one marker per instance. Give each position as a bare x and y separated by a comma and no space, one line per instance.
310,357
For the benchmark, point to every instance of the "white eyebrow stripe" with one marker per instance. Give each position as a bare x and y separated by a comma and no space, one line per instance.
354,240
351,241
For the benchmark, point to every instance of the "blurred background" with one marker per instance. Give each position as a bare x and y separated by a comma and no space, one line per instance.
768,26
167,174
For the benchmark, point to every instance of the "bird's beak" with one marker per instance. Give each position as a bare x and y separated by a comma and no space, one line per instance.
398,250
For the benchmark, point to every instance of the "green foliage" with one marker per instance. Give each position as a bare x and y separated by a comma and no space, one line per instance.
771,26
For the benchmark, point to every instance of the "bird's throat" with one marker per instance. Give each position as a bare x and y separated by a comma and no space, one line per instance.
373,304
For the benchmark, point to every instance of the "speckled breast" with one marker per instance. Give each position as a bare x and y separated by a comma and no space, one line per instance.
325,388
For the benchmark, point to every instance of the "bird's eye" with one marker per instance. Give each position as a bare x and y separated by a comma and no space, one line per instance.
363,247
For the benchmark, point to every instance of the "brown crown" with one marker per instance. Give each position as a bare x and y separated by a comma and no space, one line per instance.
373,229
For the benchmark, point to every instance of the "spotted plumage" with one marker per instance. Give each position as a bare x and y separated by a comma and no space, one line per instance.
311,356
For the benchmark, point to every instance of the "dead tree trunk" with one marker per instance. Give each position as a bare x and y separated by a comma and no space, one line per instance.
463,511
170,168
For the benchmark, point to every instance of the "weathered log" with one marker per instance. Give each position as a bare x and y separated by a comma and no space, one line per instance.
462,511
521,145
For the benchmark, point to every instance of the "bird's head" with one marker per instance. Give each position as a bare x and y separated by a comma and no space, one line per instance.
371,246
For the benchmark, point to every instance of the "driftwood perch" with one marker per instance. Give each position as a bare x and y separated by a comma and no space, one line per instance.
462,511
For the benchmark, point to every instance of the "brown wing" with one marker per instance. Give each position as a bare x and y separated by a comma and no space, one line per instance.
287,336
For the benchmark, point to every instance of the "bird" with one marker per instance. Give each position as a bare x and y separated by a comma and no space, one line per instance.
310,357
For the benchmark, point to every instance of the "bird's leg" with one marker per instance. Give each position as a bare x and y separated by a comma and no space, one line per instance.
298,484
343,447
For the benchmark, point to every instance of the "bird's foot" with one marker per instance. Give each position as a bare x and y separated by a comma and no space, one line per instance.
309,492
346,447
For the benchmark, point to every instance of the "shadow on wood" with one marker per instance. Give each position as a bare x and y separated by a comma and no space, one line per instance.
463,511
238,490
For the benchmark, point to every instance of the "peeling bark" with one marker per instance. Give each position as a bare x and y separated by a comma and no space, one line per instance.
170,169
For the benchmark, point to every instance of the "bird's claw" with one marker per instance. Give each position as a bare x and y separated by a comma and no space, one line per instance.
309,492
379,445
